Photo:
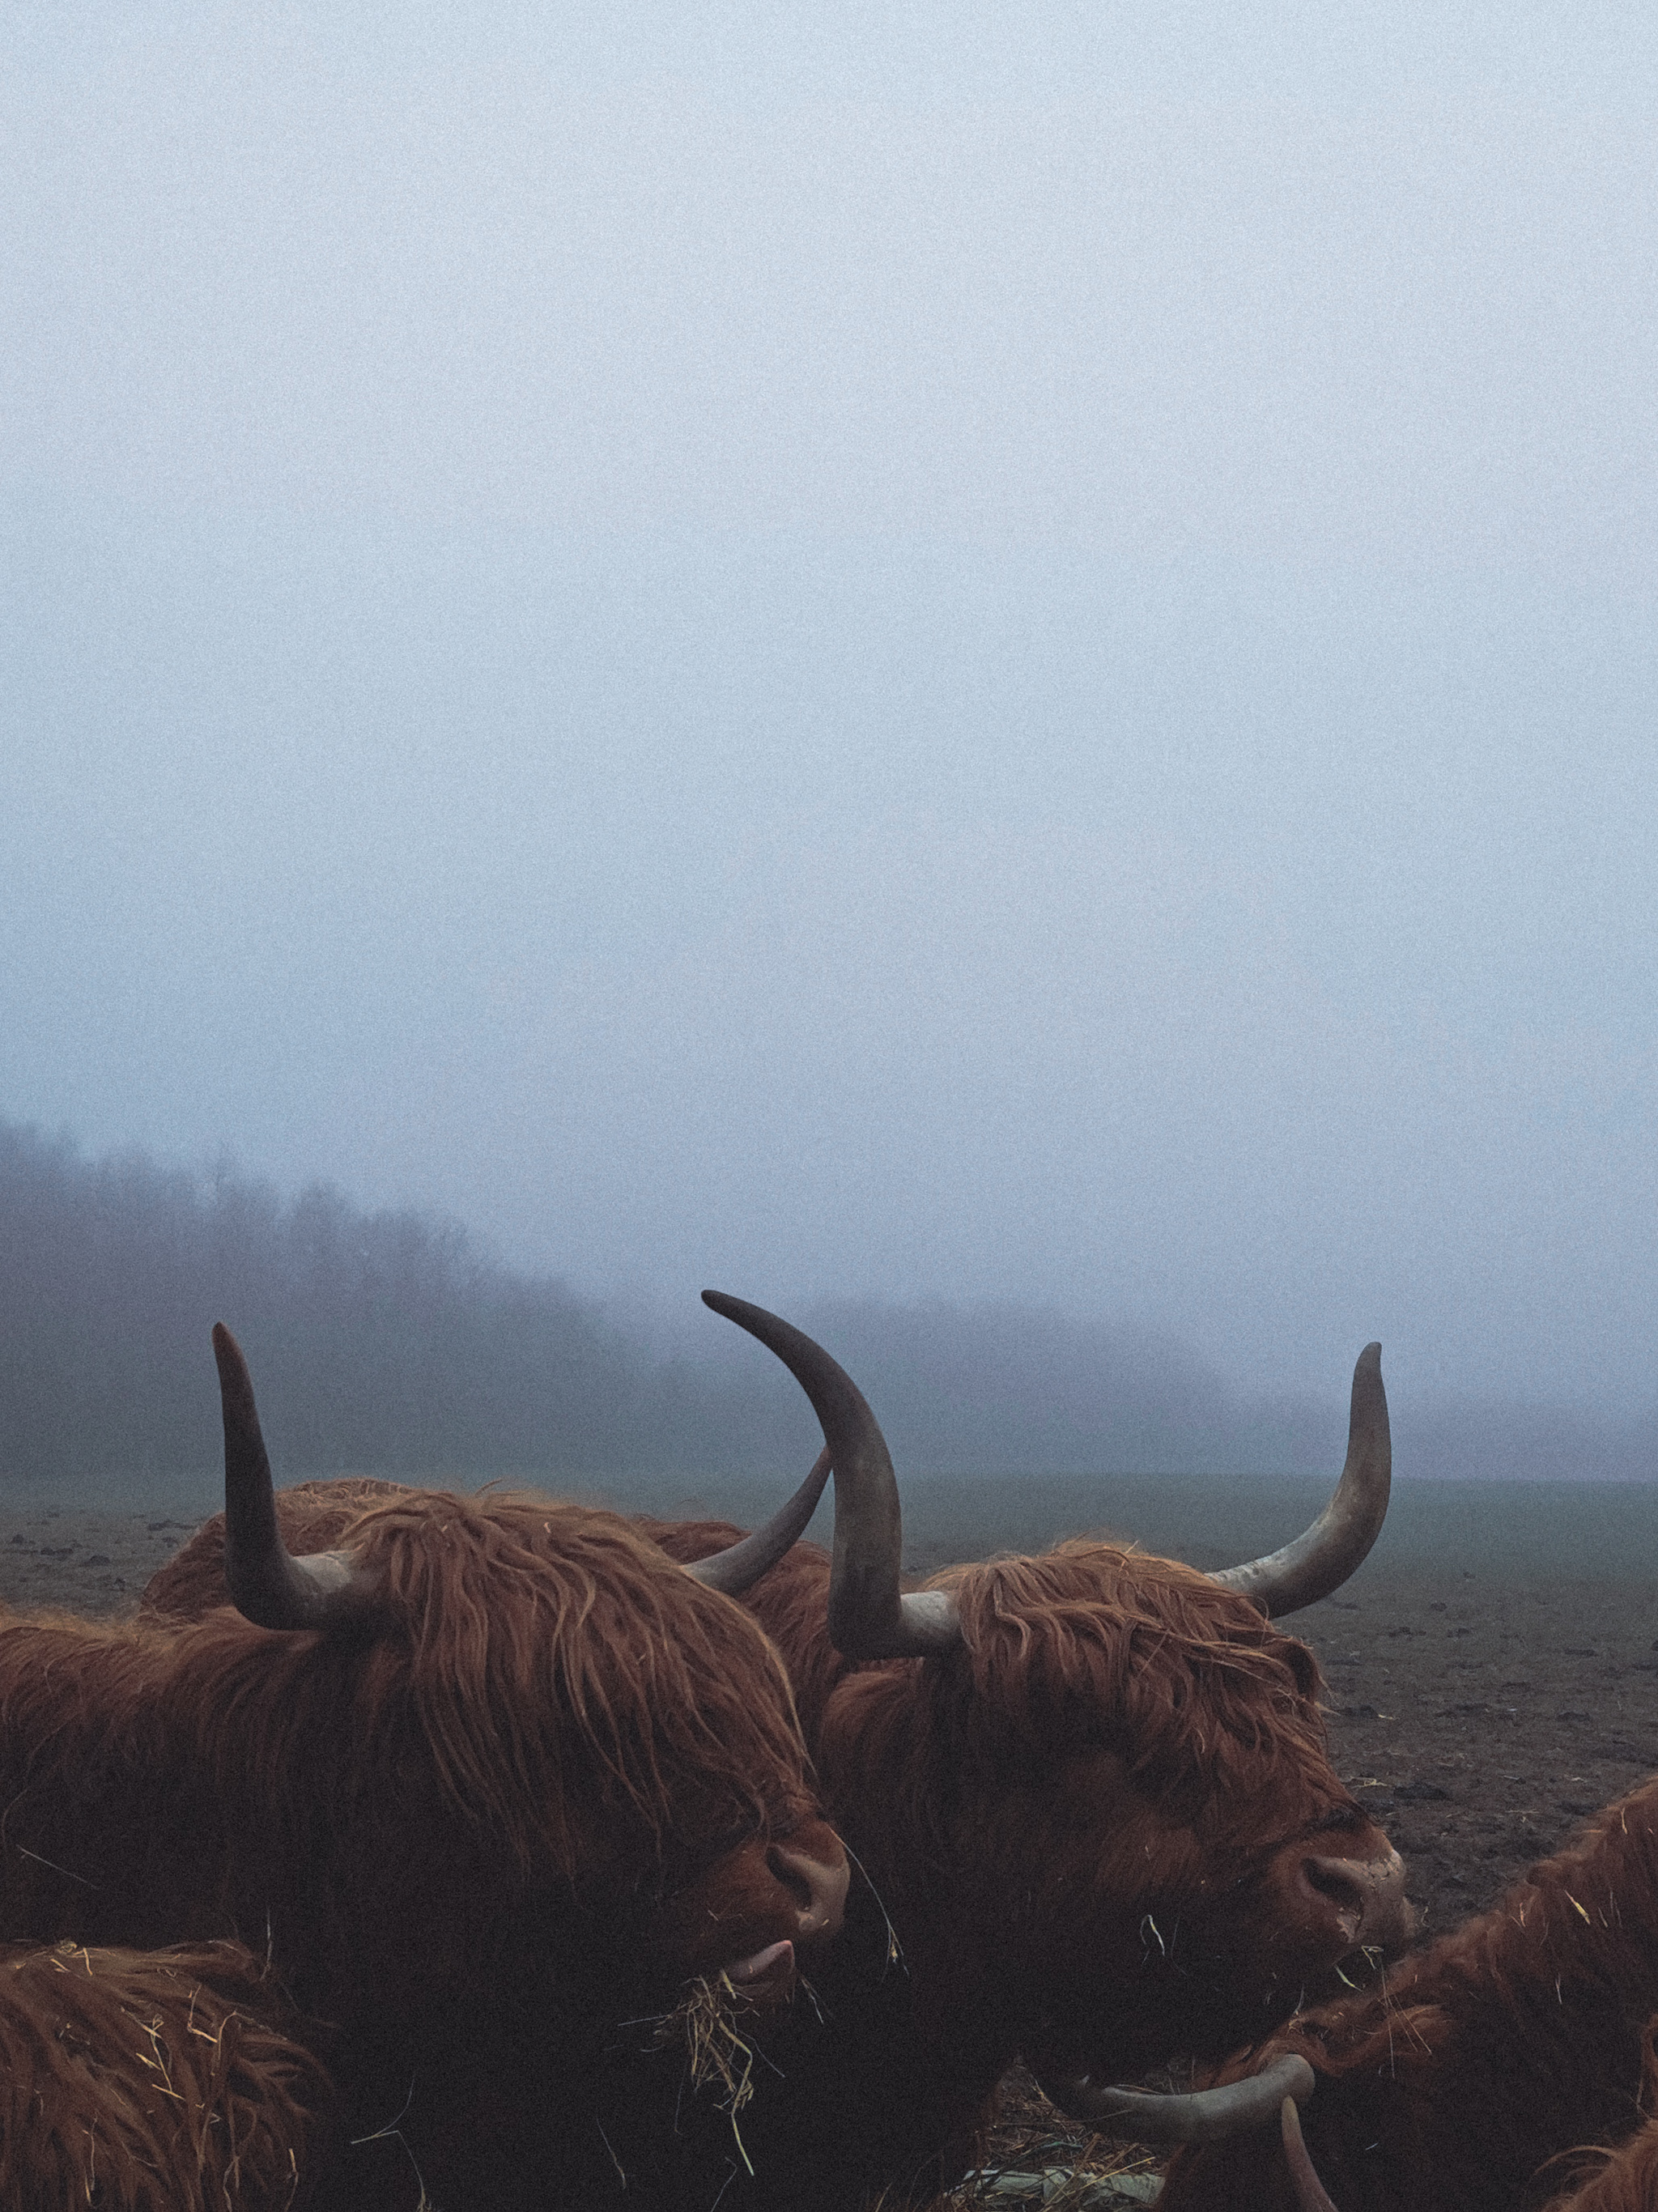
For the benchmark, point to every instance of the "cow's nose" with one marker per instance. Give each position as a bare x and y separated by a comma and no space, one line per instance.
1368,1895
816,1882
1337,1881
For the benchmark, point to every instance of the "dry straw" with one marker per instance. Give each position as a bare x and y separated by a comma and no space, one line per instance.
718,2055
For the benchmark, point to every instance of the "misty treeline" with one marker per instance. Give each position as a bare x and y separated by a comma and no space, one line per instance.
386,1342
379,1342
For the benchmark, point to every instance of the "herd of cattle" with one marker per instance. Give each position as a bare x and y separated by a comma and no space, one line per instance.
505,1853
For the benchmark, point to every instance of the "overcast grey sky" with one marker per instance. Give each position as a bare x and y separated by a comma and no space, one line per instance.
983,652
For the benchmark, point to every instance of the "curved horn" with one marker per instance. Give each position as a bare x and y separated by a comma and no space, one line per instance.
869,1617
1200,2116
1311,2195
324,1590
1322,1557
742,1563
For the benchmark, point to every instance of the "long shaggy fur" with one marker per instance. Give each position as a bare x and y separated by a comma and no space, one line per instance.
566,1684
151,2081
614,1686
1521,2036
1095,1643
1092,1642
471,1838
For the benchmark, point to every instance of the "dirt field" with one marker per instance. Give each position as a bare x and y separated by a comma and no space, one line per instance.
88,1562
1483,1720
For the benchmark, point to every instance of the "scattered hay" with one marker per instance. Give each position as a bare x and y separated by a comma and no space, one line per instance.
1062,2168
1031,2141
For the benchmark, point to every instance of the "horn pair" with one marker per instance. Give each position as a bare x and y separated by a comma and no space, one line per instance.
868,1616
1200,2116
330,1591
1208,2116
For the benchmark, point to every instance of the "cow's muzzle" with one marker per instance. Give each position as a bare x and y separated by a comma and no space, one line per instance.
1365,1898
816,1874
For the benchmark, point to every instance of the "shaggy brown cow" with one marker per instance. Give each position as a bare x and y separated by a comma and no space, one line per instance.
1091,1790
1518,2037
496,1774
1621,2180
151,2081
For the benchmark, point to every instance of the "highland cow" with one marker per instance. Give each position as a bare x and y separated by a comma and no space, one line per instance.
486,1780
1485,2056
1091,1789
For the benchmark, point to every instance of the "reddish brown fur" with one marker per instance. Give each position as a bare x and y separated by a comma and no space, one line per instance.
150,2082
1627,2182
1490,2053
1118,1738
461,1831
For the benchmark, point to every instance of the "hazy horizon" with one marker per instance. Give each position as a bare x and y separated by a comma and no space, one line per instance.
989,659
388,1342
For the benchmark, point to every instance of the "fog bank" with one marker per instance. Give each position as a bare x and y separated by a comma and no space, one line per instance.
993,658
389,1342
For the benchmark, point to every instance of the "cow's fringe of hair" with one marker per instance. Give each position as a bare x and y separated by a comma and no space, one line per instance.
565,1681
1091,1641
1096,1641
1087,1645
150,2082
562,1621
553,1618
1518,2037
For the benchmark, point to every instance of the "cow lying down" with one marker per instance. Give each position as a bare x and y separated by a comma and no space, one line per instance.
1485,2058
151,2081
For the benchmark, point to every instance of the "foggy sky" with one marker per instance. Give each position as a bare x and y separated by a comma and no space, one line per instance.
985,654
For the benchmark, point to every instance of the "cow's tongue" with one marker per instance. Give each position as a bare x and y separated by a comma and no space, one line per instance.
772,1964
